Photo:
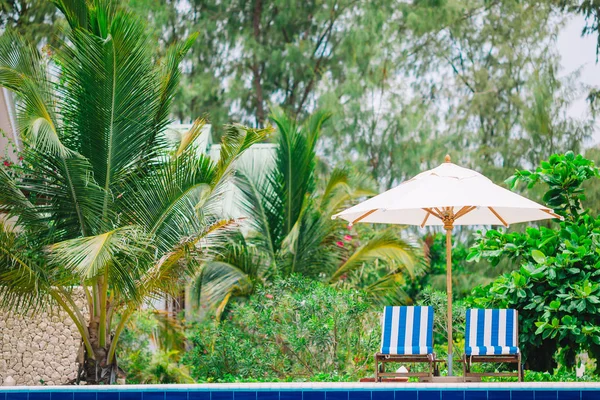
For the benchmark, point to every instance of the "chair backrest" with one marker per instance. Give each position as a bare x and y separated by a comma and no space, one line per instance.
492,328
407,330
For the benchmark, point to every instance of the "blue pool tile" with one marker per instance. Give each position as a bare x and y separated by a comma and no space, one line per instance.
522,395
545,395
313,395
220,395
453,395
56,396
16,396
476,395
360,395
429,395
590,394
382,395
197,395
338,395
152,395
569,395
129,395
36,396
290,395
405,395
498,395
266,395
82,396
107,395
177,395
243,395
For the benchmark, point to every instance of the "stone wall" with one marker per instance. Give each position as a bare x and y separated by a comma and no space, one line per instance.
39,349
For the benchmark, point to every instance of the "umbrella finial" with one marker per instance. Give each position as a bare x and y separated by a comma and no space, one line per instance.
447,158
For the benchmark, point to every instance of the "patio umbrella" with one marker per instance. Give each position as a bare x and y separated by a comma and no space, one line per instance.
447,196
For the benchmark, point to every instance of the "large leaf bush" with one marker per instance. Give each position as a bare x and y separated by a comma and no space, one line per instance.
556,282
294,329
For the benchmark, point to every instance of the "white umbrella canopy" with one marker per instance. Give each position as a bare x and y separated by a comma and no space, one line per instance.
446,196
424,199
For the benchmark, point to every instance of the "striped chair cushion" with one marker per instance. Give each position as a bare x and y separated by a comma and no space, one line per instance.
491,332
407,330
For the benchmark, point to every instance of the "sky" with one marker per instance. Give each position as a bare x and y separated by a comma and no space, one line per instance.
576,52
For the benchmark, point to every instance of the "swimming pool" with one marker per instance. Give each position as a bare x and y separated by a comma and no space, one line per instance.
312,391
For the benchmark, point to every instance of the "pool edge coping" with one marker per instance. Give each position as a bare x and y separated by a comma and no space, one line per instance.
282,386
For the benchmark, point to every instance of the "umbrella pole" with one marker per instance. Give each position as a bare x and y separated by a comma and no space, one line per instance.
449,292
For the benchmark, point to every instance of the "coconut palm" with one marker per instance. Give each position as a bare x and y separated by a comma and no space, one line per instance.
291,230
101,200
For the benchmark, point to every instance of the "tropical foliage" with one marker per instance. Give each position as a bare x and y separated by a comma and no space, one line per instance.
294,329
100,199
289,210
151,346
556,284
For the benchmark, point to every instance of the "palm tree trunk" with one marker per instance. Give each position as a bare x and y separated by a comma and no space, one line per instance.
96,370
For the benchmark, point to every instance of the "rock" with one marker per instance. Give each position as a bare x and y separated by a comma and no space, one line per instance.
9,381
40,348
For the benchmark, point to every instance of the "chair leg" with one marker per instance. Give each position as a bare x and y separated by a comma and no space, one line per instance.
464,367
376,368
520,369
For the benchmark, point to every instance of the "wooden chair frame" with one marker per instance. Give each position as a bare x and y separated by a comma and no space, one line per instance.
491,358
381,359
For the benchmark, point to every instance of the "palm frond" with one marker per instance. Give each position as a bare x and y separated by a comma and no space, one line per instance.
169,202
190,136
67,196
23,72
112,89
306,249
235,141
264,207
344,185
385,246
24,283
168,77
236,271
75,12
117,255
293,177
185,259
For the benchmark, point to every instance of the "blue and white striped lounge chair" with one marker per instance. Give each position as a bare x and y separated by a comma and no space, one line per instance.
407,336
492,335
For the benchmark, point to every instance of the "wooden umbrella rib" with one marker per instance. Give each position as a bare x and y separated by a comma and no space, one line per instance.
434,213
365,215
427,214
463,211
498,216
551,213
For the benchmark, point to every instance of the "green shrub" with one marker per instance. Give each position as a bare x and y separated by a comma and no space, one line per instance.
294,329
150,349
556,286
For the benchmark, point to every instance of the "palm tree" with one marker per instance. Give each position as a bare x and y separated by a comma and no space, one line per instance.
291,230
101,200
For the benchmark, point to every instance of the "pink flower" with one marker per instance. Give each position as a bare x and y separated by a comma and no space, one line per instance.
348,238
7,163
269,296
20,158
340,243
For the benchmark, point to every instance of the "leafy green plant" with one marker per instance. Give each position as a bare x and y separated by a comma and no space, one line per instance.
556,287
294,329
289,212
439,301
100,199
